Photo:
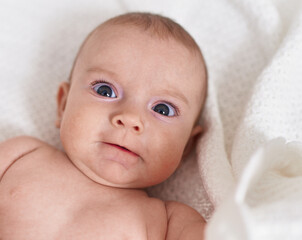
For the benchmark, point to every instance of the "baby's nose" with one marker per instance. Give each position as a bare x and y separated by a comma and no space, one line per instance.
128,121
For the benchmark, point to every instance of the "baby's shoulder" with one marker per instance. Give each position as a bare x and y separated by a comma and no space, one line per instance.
155,217
184,222
22,140
15,148
19,146
156,205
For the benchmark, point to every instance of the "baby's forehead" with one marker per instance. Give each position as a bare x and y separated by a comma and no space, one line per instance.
155,33
138,35
123,36
126,33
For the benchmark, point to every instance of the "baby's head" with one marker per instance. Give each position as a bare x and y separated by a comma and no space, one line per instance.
131,106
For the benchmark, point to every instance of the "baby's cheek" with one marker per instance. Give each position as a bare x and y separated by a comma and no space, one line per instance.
171,159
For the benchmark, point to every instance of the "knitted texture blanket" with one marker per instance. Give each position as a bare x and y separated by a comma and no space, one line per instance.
253,50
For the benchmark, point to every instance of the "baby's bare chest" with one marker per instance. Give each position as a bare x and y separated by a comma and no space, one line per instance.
40,203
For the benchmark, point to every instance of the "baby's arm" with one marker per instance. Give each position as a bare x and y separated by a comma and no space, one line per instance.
184,223
15,148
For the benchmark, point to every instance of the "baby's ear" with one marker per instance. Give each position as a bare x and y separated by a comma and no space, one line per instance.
62,95
196,131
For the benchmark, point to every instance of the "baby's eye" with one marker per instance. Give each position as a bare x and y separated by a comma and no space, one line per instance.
104,90
164,109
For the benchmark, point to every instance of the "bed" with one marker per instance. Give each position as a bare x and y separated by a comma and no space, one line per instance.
245,176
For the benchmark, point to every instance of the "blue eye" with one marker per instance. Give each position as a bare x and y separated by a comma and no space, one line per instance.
164,109
104,90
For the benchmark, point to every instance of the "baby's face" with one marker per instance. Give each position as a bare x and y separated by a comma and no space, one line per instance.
131,107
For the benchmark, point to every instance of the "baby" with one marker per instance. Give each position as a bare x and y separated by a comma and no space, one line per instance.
126,117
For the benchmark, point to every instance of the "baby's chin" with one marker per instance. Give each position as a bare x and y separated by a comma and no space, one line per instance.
113,177
117,182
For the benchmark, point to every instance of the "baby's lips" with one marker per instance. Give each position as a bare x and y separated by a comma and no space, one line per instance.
125,149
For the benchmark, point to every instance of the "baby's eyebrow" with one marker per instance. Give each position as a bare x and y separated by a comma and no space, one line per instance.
98,69
175,94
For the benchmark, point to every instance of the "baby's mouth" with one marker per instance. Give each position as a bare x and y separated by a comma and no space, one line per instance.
124,149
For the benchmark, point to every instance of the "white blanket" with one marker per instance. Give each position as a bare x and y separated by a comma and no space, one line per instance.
255,97
253,50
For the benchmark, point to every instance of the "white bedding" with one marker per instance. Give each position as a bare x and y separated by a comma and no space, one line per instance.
253,50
